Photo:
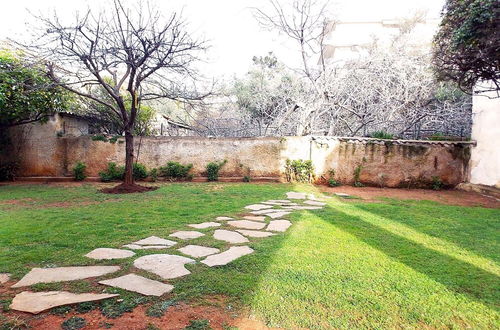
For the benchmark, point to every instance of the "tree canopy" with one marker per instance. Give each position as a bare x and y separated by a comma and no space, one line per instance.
467,45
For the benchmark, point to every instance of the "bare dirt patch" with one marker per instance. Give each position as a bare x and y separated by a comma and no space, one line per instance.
448,197
127,189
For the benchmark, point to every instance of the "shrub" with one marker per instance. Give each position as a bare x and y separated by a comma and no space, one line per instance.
113,172
175,170
437,184
139,171
331,181
382,135
8,171
357,174
246,178
153,174
213,169
299,170
99,137
79,171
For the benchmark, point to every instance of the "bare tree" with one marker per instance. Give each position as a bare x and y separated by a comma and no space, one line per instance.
133,53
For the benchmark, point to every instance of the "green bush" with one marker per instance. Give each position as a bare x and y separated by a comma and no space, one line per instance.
79,171
299,170
99,137
333,183
382,135
437,184
175,171
139,171
153,174
113,172
213,169
246,178
8,171
357,174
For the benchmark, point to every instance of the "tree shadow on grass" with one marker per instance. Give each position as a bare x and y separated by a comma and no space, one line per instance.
458,276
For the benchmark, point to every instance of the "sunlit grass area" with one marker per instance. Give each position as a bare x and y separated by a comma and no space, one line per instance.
391,264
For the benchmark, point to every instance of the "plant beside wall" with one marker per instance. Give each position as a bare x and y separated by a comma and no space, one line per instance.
79,171
331,181
437,183
8,170
112,172
139,171
299,170
176,171
213,169
153,174
357,174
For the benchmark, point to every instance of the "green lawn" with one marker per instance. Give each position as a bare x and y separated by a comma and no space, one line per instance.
392,264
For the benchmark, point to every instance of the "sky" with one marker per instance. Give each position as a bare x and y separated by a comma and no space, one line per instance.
228,25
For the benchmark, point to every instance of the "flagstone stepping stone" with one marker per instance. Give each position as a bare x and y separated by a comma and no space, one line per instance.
205,225
295,195
4,278
229,236
254,233
187,234
342,194
145,247
139,284
164,265
279,225
311,196
277,214
246,224
256,207
198,251
61,274
279,201
36,302
279,204
155,240
255,218
226,257
265,211
315,203
106,254
223,218
303,207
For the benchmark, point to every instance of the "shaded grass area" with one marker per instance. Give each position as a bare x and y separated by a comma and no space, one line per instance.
394,264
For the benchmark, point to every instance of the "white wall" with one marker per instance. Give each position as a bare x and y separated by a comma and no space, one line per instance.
485,157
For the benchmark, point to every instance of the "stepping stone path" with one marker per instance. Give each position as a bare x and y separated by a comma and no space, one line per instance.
139,284
4,278
254,233
255,218
229,236
164,265
106,254
205,225
256,207
187,234
279,225
226,257
62,274
36,302
246,224
198,251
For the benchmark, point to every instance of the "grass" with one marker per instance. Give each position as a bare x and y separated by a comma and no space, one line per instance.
392,264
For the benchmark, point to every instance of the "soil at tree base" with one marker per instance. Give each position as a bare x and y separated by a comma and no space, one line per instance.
127,189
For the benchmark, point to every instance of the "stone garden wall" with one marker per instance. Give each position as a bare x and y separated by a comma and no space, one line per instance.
383,163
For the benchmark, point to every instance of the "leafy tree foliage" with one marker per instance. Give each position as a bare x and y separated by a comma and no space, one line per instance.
467,46
26,93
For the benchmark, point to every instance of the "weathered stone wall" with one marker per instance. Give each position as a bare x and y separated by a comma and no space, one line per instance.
384,163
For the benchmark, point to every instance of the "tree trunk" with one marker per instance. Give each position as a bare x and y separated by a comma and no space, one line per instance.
129,158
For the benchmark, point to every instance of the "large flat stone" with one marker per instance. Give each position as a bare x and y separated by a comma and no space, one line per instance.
246,224
61,274
205,225
4,278
279,203
314,203
155,240
254,233
198,251
164,265
260,212
279,225
106,254
223,218
36,302
145,247
256,207
276,215
301,207
187,234
139,284
226,257
255,218
295,195
229,236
